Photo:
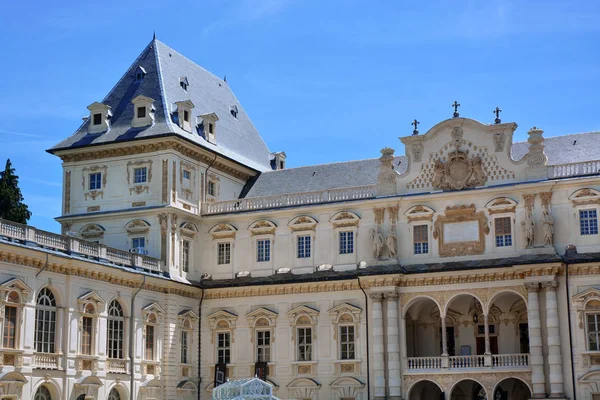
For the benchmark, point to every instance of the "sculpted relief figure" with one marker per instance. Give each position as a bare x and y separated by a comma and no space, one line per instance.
377,239
390,242
548,228
529,227
438,176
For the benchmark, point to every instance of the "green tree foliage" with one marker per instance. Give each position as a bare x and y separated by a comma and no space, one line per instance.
12,207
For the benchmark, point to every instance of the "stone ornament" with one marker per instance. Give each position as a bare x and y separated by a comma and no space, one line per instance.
377,243
459,172
529,228
536,157
390,242
499,140
417,151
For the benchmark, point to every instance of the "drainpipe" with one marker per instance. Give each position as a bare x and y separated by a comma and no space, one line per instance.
368,358
206,179
568,302
43,268
200,341
131,328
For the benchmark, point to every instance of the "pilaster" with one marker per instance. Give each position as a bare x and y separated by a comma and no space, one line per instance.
553,332
378,349
393,347
536,359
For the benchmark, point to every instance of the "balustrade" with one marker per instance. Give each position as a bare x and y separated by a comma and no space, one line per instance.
424,362
573,169
510,360
116,365
460,362
45,360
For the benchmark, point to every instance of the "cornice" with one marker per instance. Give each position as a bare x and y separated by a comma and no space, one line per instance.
171,143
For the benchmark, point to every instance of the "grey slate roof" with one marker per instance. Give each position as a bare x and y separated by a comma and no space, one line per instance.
237,138
559,149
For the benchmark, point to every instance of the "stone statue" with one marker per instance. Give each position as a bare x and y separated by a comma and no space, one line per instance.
529,226
377,239
438,174
390,242
548,228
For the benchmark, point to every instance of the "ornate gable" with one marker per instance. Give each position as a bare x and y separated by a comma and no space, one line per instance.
189,313
137,226
419,213
344,218
303,223
153,308
188,229
585,196
91,231
307,311
261,313
16,284
222,231
222,315
345,308
501,205
262,227
93,298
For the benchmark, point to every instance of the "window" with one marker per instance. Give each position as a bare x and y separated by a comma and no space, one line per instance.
263,346
86,335
184,346
42,394
210,127
186,174
138,243
212,188
140,175
347,342
114,395
186,115
139,76
304,246
97,119
95,181
346,242
45,321
224,253
9,337
593,332
115,330
588,222
304,344
149,343
141,112
263,250
421,239
223,348
503,232
185,256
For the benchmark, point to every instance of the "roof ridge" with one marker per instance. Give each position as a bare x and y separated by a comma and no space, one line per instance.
332,163
163,93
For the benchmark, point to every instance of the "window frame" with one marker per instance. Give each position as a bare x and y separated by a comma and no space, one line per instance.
143,174
226,356
111,340
581,210
510,235
10,332
141,111
266,348
596,314
46,316
341,342
138,238
95,184
425,227
150,343
345,233
304,246
97,119
186,254
229,245
264,252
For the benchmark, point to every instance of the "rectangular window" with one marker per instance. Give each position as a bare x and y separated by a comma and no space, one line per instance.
263,250
140,175
185,256
304,344
224,253
95,181
186,174
186,115
593,332
138,243
346,242
115,339
347,342
503,232
149,345
263,346
45,330
211,188
86,335
9,337
184,347
304,246
141,112
97,119
223,348
588,222
210,128
421,239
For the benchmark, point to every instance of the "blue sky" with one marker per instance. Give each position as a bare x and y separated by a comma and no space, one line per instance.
322,80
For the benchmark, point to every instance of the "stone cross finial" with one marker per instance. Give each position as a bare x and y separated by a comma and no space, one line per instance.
455,105
415,123
497,111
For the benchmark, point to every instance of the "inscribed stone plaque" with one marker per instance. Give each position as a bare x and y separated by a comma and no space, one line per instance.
456,232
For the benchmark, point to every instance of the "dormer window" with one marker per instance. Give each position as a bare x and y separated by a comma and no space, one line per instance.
143,111
234,111
184,112
183,82
278,160
99,117
210,127
139,74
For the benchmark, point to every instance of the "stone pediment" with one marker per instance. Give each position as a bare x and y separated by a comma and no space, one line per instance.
16,283
223,231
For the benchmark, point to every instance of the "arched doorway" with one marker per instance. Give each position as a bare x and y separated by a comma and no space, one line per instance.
42,394
468,390
512,389
425,390
422,331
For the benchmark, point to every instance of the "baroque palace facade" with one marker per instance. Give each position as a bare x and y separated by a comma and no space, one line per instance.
469,268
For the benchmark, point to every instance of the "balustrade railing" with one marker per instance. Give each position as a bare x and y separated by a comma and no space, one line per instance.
45,360
418,363
70,244
460,362
285,200
510,360
116,365
573,169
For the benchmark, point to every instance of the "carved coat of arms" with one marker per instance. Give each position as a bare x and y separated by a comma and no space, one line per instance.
458,172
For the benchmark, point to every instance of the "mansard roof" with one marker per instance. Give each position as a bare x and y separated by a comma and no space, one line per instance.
559,149
237,138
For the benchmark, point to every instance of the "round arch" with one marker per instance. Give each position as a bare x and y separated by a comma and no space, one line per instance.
456,384
497,385
51,385
460,294
495,296
55,292
422,381
120,388
122,303
415,299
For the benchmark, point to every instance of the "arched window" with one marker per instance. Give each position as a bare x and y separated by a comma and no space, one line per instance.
10,336
42,393
115,331
114,395
45,322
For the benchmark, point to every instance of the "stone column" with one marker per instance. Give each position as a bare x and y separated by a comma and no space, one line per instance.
488,351
393,347
444,338
553,333
403,344
536,359
378,351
